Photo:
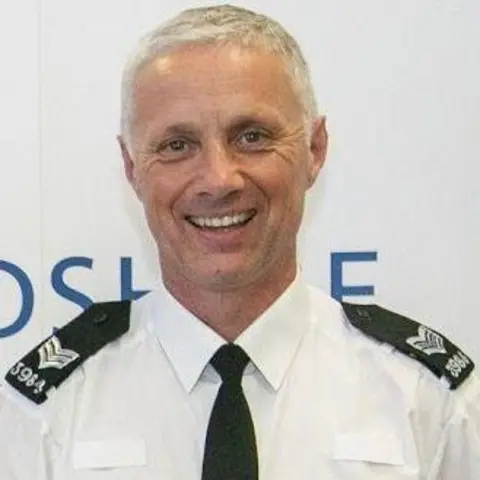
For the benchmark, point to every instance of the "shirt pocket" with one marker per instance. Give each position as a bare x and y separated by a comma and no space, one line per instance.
379,448
109,454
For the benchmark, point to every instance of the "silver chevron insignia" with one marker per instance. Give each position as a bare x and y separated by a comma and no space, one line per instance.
427,341
52,355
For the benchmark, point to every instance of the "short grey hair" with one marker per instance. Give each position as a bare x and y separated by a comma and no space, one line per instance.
224,23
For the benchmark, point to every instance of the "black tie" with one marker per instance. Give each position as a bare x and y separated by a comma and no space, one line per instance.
230,448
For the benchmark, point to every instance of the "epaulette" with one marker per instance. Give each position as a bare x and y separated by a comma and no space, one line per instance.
427,346
53,360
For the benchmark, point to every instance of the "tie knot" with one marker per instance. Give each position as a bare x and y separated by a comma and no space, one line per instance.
230,361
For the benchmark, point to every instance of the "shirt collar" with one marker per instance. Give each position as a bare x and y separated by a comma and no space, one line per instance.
271,341
186,340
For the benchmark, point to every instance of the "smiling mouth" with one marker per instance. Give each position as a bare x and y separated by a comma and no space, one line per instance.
222,221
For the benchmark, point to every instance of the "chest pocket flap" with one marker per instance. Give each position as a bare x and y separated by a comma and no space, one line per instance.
369,447
114,453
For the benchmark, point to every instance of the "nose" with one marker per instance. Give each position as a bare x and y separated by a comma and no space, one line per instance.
220,173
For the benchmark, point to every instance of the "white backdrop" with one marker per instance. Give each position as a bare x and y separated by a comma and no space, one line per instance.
398,81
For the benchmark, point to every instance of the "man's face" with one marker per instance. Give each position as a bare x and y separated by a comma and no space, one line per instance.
221,160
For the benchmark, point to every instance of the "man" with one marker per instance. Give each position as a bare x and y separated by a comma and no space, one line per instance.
220,141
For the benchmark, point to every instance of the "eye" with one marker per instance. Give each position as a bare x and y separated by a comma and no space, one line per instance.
175,149
252,137
175,146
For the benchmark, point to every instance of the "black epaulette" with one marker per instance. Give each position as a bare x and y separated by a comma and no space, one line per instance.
427,346
52,361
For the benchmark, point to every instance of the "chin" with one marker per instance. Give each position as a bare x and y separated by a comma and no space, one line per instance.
224,278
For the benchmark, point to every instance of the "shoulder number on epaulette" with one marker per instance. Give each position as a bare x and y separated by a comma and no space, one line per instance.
424,344
52,361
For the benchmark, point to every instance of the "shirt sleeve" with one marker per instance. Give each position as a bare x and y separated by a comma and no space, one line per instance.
458,450
23,441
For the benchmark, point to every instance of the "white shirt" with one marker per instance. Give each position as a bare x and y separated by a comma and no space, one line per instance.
327,403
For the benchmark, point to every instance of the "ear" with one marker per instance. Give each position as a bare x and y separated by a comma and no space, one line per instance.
318,148
128,164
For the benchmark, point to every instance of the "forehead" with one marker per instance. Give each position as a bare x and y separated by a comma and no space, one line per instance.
214,79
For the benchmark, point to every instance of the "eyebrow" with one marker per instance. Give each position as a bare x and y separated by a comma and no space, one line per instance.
238,122
181,128
257,116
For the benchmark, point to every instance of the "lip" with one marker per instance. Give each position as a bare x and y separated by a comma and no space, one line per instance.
222,239
226,213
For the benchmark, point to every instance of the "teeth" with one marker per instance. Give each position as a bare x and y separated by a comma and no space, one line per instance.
221,222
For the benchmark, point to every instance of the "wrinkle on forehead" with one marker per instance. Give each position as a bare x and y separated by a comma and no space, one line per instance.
203,79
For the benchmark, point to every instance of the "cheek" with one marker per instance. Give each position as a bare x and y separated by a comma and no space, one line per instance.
158,210
286,179
155,187
142,180
287,196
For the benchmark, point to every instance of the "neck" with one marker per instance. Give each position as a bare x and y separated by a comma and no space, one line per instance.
230,312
